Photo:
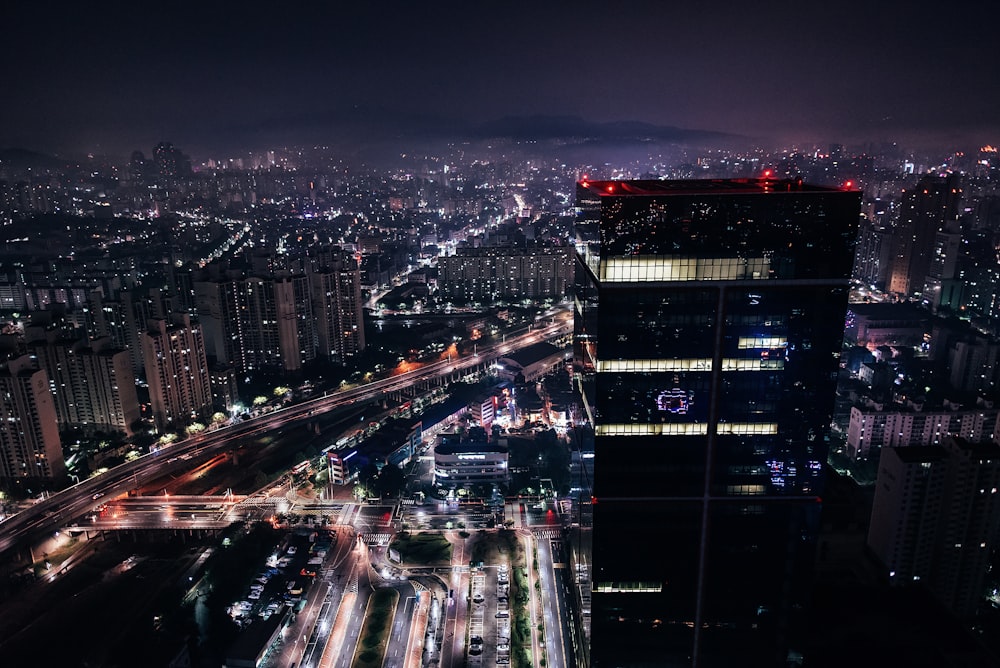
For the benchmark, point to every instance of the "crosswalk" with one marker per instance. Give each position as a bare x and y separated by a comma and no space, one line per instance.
380,539
548,533
258,501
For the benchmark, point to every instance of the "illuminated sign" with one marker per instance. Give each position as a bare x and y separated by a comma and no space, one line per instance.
675,401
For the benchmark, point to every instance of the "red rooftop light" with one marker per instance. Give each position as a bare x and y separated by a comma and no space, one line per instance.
611,188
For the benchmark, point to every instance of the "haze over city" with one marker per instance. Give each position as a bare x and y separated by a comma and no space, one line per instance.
109,77
552,334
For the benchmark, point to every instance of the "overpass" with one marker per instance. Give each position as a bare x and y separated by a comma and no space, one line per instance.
65,507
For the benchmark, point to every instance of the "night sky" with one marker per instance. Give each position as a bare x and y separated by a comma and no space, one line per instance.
109,78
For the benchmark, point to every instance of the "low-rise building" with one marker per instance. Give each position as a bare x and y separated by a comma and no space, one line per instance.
461,464
876,427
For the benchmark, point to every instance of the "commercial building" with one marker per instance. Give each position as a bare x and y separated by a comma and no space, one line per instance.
533,362
709,323
886,324
472,462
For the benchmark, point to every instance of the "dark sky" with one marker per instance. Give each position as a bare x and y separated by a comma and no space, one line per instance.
112,77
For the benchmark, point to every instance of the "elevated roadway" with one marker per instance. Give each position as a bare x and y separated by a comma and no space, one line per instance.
65,507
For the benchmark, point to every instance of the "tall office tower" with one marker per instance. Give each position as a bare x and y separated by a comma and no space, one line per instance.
926,210
92,382
29,437
710,318
177,372
335,281
934,518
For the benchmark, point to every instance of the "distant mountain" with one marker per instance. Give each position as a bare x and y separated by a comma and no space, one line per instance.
366,126
380,131
18,160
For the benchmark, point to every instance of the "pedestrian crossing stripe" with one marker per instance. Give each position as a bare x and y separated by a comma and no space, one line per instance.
380,539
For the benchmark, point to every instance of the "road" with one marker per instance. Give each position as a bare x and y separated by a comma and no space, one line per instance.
65,506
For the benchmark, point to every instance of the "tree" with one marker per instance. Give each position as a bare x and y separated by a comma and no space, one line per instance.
390,481
368,474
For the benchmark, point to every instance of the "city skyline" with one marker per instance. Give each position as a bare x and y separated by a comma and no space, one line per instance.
107,79
330,280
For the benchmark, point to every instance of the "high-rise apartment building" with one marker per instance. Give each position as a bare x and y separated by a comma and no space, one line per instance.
871,427
497,272
709,323
335,282
29,436
929,208
92,381
934,518
257,322
176,372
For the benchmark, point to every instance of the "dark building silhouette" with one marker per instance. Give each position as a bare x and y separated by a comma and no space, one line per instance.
935,516
710,319
924,234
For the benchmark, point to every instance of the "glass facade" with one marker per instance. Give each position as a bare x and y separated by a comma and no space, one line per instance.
709,325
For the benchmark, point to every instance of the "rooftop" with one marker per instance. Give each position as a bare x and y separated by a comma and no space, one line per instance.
704,186
536,352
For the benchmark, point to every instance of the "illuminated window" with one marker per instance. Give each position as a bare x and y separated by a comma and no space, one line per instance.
687,429
675,268
628,587
753,342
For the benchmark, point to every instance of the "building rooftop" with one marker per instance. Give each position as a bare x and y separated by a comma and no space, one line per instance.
469,447
920,454
533,353
703,186
886,310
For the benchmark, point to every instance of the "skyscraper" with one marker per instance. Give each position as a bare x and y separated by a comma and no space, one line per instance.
709,324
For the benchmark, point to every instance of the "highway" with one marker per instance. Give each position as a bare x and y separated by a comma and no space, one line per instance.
64,507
